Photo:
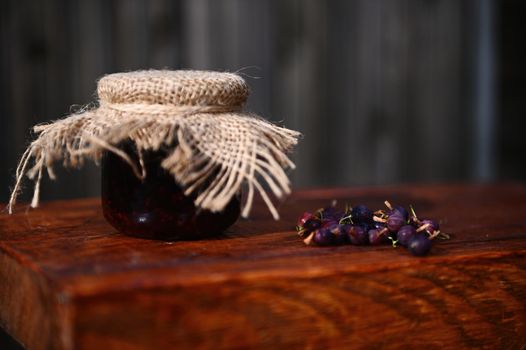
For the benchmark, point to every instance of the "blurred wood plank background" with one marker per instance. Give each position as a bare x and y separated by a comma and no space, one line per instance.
385,91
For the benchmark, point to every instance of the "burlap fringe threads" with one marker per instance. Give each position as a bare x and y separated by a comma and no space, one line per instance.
218,146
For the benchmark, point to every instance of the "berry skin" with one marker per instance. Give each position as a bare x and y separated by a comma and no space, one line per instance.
339,233
312,224
303,219
361,214
395,221
405,233
379,225
419,245
323,236
401,211
307,223
358,235
433,226
377,236
331,214
328,223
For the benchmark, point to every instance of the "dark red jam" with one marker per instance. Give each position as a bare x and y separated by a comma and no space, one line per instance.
156,207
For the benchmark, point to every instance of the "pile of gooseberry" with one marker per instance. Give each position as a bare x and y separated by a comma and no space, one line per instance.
360,226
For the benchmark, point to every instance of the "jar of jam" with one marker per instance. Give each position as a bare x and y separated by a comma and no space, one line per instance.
182,124
155,207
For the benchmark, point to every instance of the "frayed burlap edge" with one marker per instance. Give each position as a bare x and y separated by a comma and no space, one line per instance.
219,148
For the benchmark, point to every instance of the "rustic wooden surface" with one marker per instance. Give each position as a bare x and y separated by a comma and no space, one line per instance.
68,280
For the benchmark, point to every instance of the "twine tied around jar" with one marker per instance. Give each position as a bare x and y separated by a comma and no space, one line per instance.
214,148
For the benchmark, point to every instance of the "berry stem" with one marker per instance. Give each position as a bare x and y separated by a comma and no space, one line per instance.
308,240
342,220
377,219
383,231
423,227
443,235
394,241
413,212
434,235
302,232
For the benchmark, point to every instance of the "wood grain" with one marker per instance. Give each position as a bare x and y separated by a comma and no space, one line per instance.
68,280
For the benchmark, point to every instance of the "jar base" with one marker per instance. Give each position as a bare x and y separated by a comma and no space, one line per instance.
156,207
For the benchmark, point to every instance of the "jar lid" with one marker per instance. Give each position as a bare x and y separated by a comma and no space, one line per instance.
180,88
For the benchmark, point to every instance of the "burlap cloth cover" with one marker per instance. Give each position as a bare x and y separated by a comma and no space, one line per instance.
219,148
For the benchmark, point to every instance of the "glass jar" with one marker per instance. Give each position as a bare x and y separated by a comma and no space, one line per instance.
156,206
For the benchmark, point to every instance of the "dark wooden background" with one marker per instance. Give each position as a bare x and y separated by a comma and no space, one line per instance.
385,91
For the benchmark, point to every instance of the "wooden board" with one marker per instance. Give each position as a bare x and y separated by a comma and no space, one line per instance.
68,280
